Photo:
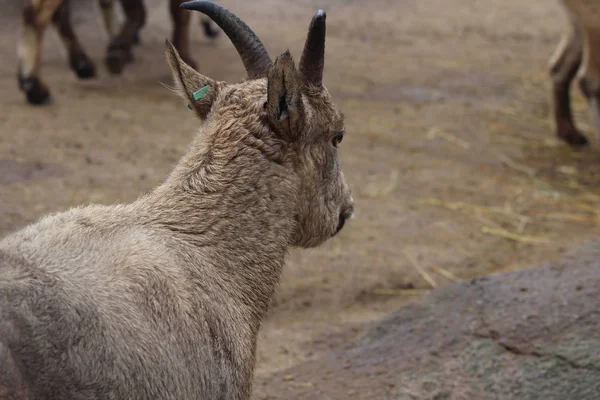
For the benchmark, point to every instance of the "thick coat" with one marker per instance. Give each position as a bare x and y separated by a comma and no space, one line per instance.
163,298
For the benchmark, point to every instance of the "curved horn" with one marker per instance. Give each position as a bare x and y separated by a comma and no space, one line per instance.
313,55
251,50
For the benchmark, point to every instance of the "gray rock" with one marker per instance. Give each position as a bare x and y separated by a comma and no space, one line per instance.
529,334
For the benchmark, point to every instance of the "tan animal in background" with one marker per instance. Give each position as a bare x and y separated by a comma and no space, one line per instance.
163,298
577,55
38,13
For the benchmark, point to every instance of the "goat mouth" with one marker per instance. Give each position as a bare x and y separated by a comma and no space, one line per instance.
341,223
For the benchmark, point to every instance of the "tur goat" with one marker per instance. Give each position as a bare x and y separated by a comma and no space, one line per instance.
577,56
163,298
37,14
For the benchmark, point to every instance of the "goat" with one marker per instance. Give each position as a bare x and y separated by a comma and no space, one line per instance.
37,14
163,298
576,56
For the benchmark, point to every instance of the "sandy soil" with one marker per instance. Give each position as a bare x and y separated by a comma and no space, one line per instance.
449,149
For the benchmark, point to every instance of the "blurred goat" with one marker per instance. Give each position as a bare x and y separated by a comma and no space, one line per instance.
577,56
37,14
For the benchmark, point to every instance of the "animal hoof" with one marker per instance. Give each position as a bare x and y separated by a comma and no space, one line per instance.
83,67
573,138
116,59
37,93
210,30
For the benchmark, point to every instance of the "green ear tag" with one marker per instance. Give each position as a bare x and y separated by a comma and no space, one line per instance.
200,93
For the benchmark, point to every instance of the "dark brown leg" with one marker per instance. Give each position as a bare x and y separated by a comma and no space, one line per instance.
211,29
79,61
563,68
107,7
119,50
181,22
589,74
36,15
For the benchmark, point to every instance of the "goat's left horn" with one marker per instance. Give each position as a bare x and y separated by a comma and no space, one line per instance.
251,50
313,55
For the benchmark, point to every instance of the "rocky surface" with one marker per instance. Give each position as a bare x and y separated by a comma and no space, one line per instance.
529,334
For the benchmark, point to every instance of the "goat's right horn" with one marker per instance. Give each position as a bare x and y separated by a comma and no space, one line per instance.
313,55
251,50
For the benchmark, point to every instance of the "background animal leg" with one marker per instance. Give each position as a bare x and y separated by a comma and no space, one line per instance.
563,68
589,75
36,15
79,62
211,29
107,7
181,21
119,50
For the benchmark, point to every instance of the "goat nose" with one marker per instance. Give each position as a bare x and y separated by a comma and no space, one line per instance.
341,223
344,216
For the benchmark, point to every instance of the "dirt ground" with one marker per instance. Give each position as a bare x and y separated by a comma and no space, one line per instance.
450,152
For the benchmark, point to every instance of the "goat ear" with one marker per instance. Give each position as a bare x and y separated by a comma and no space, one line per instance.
194,87
284,97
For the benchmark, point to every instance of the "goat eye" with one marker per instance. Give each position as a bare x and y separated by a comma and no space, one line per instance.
337,139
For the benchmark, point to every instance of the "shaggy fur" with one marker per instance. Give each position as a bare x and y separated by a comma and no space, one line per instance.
38,13
577,55
163,298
